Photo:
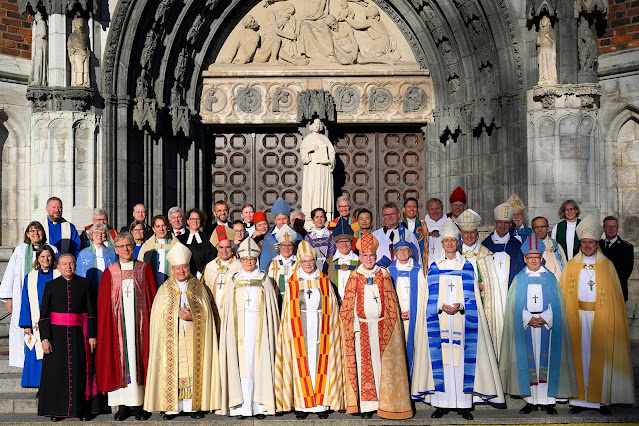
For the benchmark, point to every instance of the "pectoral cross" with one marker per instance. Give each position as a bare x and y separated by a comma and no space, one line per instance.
220,285
309,292
375,298
248,299
591,283
128,292
451,286
535,298
407,289
500,264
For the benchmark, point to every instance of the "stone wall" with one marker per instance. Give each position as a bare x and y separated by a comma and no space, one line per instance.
15,30
622,31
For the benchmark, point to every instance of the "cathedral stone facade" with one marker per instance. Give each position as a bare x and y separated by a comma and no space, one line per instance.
167,102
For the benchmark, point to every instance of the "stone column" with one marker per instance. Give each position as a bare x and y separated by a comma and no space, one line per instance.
57,50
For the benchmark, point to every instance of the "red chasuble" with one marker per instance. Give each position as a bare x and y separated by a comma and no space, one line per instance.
111,356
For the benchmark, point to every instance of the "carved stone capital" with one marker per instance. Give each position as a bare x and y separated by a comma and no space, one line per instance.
591,8
450,121
59,6
145,113
60,98
573,95
486,110
180,120
315,104
535,9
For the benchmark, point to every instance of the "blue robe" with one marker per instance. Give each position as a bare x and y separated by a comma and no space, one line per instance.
513,249
87,269
54,236
269,248
523,231
32,366
414,296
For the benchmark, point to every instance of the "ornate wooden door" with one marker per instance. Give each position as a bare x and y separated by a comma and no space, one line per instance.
372,168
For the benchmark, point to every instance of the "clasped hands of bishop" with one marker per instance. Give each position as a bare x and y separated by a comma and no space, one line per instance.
451,309
536,322
185,314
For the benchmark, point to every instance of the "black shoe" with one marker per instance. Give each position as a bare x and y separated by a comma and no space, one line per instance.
301,415
465,413
197,415
605,411
528,408
439,413
168,416
323,415
240,417
123,413
260,416
85,419
56,419
367,415
141,415
576,410
550,409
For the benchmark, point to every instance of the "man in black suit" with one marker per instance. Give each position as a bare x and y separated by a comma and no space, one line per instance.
620,252
139,213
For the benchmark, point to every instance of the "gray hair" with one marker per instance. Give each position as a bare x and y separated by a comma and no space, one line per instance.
343,198
98,227
75,262
99,212
297,213
175,209
123,236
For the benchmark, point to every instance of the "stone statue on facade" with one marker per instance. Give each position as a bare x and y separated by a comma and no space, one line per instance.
378,47
587,45
79,54
318,156
315,40
344,42
248,41
546,53
278,43
39,51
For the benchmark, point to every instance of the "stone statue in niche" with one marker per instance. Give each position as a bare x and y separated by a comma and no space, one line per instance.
79,54
378,47
318,156
546,53
344,43
247,43
39,51
279,37
587,45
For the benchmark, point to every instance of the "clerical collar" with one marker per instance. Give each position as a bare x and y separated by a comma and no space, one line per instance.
35,248
192,236
161,240
288,260
319,233
413,220
500,240
44,271
589,259
406,266
256,272
458,258
536,273
434,224
367,273
225,262
471,248
571,224
350,256
304,276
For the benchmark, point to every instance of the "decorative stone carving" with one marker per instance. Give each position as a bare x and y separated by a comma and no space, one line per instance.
345,47
414,99
60,98
537,8
51,7
249,100
315,104
39,51
592,7
450,121
380,99
546,53
585,95
318,156
454,87
283,100
79,54
346,99
160,13
378,48
150,43
195,29
486,109
180,66
145,113
246,44
214,101
587,45
278,37
180,115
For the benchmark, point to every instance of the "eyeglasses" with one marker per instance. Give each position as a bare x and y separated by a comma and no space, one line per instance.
307,262
540,227
121,246
195,218
137,230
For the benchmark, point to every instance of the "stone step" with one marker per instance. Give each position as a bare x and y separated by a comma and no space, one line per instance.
6,368
18,403
10,383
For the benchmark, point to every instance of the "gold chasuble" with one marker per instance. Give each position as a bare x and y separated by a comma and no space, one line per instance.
293,384
393,400
610,377
183,364
234,329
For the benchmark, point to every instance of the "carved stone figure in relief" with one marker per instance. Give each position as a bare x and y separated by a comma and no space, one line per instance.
318,156
248,40
587,45
79,54
278,28
344,41
546,53
315,40
39,51
378,47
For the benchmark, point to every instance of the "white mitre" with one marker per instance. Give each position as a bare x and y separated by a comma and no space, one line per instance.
286,233
305,249
179,255
504,212
449,230
589,228
469,220
248,248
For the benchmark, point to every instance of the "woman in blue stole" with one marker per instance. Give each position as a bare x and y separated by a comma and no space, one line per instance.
93,260
320,238
44,271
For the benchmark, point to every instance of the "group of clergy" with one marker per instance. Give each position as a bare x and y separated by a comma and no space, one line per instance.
360,322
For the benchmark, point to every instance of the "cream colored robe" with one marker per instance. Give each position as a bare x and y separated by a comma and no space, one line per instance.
218,282
166,342
487,379
551,260
267,327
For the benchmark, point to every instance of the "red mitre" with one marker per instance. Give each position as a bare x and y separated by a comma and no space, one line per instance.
367,243
259,217
458,195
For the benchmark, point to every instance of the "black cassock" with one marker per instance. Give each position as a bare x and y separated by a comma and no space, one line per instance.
68,387
202,253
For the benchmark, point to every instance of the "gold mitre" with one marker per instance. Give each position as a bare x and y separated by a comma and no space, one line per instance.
504,212
248,248
449,230
305,249
286,233
469,220
516,203
589,228
179,255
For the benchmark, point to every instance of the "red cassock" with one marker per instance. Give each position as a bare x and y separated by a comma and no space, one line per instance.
111,354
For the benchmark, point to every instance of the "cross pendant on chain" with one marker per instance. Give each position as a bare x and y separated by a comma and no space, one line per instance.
127,292
591,283
451,286
535,298
248,299
500,264
309,292
376,298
